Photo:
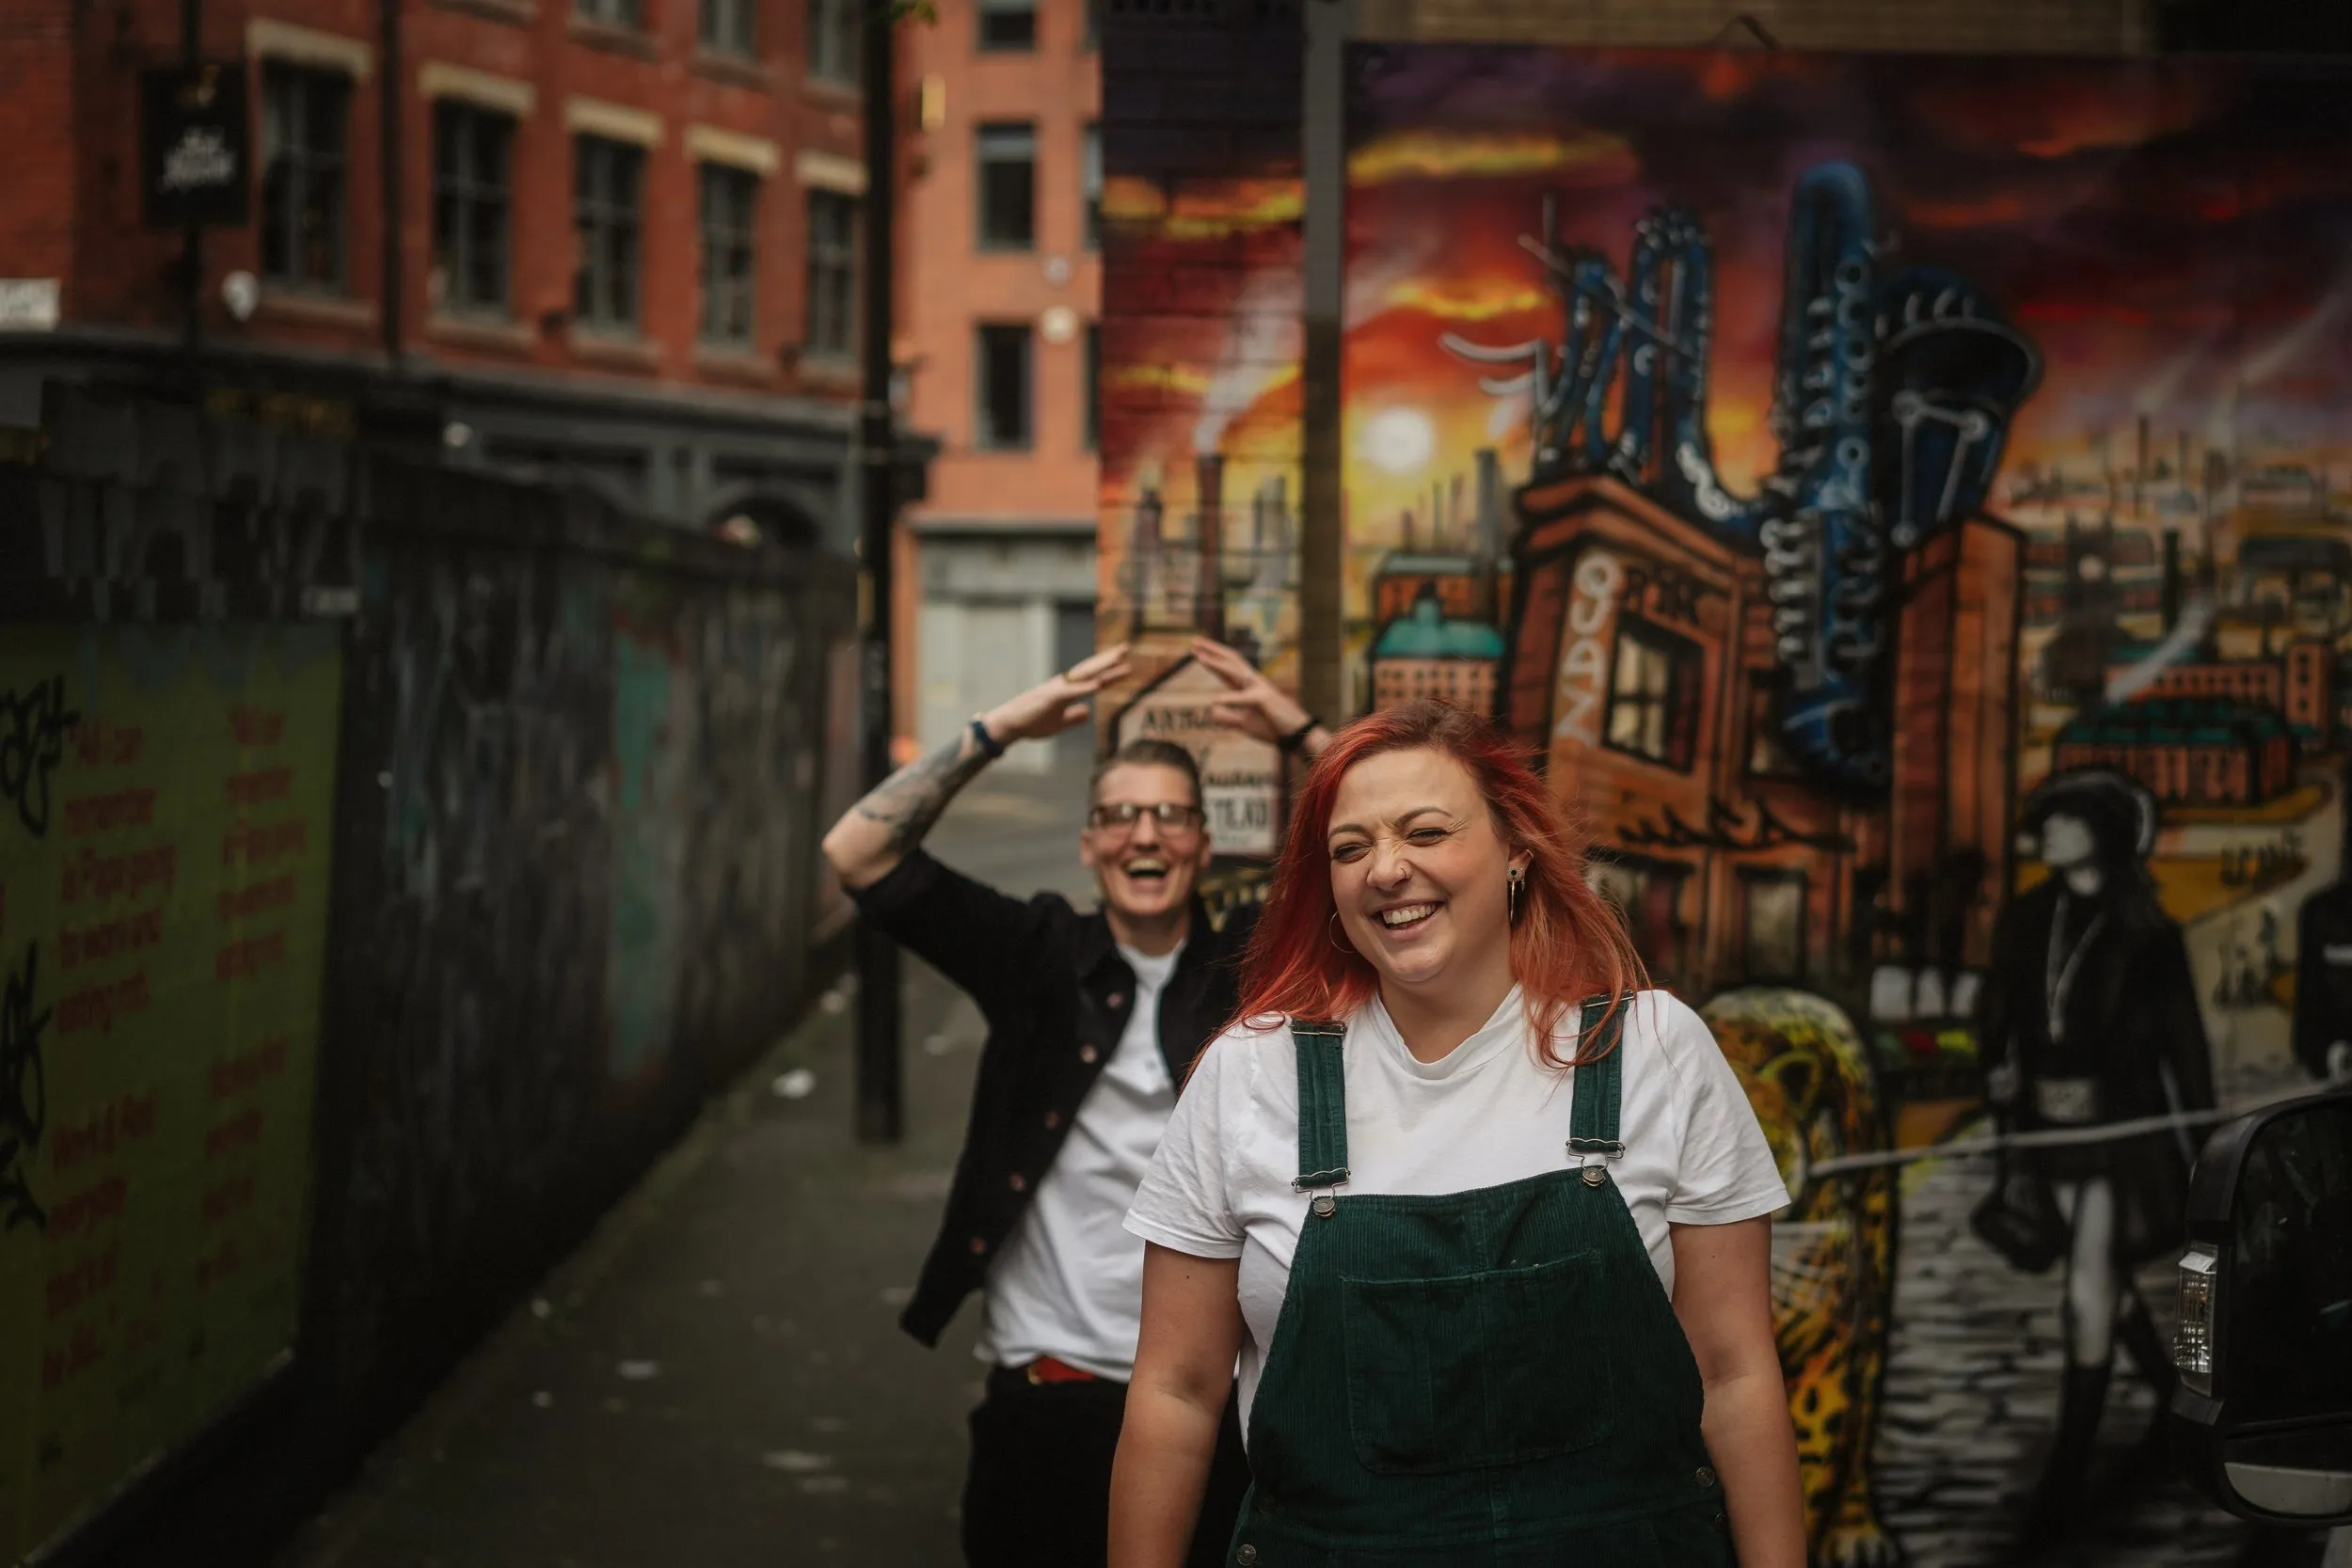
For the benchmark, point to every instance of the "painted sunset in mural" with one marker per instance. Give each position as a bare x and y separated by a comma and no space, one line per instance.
2164,242
2172,249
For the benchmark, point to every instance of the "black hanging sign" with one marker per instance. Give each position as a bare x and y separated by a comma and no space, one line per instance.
195,145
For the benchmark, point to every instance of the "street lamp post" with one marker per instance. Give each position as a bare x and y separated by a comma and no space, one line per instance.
880,1109
192,239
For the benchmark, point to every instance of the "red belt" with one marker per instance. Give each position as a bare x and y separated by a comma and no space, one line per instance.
1046,1370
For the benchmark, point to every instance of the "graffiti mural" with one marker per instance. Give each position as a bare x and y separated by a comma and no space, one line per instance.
1892,496
1200,401
1900,502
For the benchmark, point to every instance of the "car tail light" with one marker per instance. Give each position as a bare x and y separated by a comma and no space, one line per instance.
2192,1346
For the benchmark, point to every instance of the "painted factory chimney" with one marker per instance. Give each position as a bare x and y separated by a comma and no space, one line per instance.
2171,603
1143,561
1486,545
2140,466
1209,609
1269,536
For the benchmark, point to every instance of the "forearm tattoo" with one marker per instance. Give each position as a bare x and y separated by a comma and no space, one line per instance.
910,800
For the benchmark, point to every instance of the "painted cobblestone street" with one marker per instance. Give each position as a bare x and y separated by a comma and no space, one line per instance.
1972,1391
1972,1398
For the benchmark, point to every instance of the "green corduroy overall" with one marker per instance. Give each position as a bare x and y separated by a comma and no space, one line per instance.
1493,1379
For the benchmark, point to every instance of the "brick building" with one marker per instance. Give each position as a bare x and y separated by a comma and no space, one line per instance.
1642,670
2299,686
610,242
1429,652
1000,229
2189,751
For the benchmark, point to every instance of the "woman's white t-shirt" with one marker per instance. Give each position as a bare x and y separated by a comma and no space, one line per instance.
1485,1114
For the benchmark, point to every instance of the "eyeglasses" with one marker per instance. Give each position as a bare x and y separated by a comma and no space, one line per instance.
1120,817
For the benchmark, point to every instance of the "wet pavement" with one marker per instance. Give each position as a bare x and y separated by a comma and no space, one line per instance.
717,1378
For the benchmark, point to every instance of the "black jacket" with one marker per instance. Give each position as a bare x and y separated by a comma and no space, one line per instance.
2132,1024
1057,997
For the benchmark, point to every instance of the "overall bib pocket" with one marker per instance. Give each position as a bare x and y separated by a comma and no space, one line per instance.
1462,1373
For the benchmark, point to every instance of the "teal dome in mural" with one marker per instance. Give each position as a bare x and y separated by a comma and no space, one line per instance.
1429,633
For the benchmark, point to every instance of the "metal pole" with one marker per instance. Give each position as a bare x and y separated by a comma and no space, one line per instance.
391,106
880,1100
1323,156
192,251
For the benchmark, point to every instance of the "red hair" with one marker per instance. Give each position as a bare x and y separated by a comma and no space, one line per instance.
1567,945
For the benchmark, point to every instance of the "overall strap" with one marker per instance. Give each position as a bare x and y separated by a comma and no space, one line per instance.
1322,1105
1592,1107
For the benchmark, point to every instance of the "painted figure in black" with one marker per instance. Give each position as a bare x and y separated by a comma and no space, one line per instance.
2323,979
2090,1016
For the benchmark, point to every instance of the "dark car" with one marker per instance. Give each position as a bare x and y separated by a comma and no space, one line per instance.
2263,1417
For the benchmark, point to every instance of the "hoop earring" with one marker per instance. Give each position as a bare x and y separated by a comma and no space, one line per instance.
1511,897
1332,929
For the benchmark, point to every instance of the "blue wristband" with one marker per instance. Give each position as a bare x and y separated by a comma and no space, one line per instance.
988,742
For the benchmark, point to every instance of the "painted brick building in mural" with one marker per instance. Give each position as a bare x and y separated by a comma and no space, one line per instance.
610,244
2188,752
1642,670
1429,653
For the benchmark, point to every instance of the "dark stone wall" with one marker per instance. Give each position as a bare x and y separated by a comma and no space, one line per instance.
574,880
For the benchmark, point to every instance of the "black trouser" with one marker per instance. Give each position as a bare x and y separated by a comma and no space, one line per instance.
1038,1491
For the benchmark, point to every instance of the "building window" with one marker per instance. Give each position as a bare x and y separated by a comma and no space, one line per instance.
617,13
607,215
1007,187
726,27
1094,385
1008,24
472,157
1648,894
1001,417
1090,151
1768,756
1771,927
832,276
1653,699
306,122
730,199
835,42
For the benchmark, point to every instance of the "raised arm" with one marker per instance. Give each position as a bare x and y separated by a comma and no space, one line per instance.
1257,707
874,836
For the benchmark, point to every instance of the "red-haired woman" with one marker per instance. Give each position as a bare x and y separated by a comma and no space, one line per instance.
1494,1257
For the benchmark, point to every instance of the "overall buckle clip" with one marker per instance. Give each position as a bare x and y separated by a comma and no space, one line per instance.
1321,1182
1591,1156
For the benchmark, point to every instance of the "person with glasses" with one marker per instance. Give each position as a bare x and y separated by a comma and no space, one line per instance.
1092,1022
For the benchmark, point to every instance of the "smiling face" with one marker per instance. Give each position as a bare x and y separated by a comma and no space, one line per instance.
1420,874
1146,871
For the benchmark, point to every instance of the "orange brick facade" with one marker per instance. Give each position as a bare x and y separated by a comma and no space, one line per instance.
665,422
998,566
37,117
